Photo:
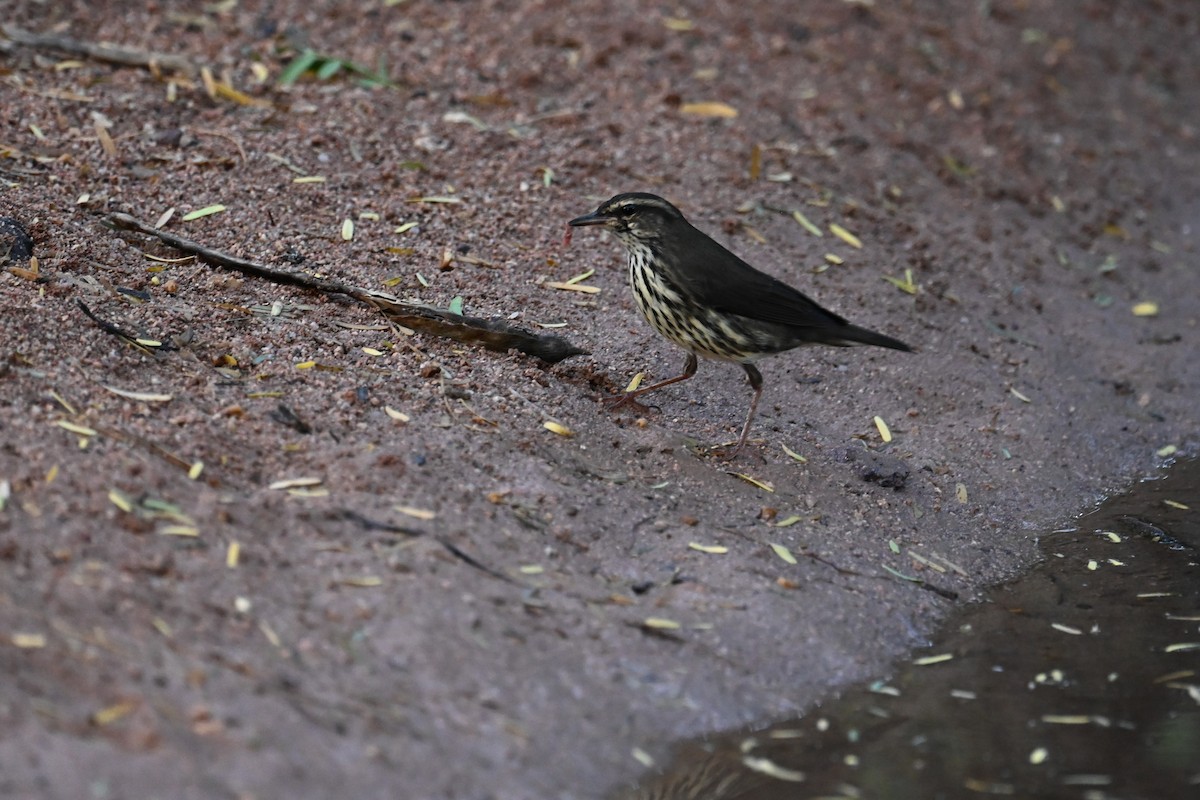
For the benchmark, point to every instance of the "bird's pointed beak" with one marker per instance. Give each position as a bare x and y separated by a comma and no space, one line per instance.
588,219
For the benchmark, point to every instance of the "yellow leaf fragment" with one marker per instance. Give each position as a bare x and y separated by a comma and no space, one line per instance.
309,179
179,530
807,224
1176,504
960,492
1146,309
1039,756
306,365
1058,626
1165,452
794,454
784,553
635,382
554,427
660,623
1182,647
642,757
712,549
28,641
678,24
926,661
347,229
709,109
436,199
399,416
105,139
1012,390
195,470
118,499
363,582
203,212
845,235
107,716
583,276
371,351
233,554
416,513
884,432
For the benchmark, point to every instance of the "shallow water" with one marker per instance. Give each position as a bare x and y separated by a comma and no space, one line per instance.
1079,680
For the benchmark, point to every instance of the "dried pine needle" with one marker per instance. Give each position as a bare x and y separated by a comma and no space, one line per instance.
769,768
904,284
77,429
144,397
572,287
294,483
754,481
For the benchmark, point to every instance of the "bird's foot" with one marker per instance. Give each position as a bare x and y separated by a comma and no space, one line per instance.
728,451
625,400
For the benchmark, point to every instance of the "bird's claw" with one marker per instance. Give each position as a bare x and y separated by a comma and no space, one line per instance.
624,400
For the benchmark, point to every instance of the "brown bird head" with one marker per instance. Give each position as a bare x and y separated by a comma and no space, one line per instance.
636,218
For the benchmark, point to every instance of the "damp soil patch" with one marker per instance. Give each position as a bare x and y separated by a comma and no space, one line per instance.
1080,679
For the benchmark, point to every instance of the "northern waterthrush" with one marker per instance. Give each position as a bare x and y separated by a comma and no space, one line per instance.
710,302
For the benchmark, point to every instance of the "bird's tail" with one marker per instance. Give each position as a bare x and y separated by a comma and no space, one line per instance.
851,335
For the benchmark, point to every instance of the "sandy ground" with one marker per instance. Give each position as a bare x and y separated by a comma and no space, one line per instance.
450,599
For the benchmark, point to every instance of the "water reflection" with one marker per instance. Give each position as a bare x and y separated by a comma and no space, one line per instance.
1079,680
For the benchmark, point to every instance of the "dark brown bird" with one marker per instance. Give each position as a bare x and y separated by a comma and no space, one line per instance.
710,302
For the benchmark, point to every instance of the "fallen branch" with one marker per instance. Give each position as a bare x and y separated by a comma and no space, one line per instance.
494,335
100,52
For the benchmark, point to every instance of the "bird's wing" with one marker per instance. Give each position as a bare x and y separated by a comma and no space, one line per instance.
715,277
